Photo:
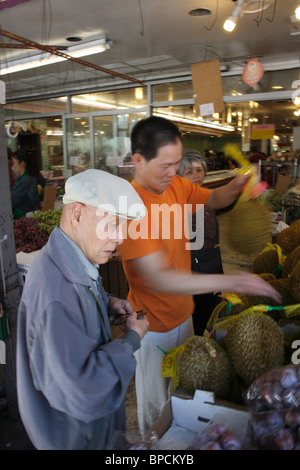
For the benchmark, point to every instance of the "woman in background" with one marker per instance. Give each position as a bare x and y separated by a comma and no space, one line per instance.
10,164
24,196
206,260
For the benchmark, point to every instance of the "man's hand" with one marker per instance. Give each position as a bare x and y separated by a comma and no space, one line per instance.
119,310
122,314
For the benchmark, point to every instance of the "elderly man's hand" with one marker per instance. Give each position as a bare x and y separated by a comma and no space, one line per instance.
123,315
119,310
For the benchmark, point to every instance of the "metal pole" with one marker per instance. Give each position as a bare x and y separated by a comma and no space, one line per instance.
9,285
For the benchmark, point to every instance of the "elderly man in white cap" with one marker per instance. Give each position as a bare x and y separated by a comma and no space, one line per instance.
72,376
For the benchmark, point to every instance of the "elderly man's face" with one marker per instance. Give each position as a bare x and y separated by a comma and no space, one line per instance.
99,233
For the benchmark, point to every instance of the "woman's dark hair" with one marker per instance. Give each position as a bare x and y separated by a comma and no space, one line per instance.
149,134
27,156
9,153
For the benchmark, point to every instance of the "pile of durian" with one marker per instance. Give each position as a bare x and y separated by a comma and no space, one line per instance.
279,264
253,342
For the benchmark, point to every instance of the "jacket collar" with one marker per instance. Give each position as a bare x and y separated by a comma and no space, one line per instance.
64,256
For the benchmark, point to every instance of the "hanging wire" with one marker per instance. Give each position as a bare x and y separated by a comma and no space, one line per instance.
142,19
274,10
217,11
260,12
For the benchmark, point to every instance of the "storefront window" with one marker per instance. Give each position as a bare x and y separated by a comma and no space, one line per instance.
173,91
273,81
112,142
78,145
110,100
20,110
44,137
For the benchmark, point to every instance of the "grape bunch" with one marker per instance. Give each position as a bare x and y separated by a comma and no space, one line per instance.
47,220
28,235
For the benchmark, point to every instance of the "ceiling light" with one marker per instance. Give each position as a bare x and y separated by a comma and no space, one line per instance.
231,21
297,12
39,60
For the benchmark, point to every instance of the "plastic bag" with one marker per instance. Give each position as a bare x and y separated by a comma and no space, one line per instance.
277,389
216,436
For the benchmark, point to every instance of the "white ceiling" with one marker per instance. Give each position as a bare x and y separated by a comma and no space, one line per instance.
151,39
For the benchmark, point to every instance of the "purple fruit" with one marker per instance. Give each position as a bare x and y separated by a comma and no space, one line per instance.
281,439
288,377
230,442
211,446
292,418
216,432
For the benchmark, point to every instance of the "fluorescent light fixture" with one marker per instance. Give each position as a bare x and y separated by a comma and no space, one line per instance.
45,58
230,22
88,102
195,122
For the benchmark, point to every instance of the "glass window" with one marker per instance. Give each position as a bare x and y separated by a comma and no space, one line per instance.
44,137
112,142
173,91
78,145
115,99
19,110
277,81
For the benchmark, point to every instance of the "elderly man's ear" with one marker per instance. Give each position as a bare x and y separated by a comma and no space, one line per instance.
76,212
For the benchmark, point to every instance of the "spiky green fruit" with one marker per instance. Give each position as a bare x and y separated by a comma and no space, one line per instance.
204,365
255,344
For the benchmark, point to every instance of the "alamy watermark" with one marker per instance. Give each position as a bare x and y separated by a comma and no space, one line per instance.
164,222
295,359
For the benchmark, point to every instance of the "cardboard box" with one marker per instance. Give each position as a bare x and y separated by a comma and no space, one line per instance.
24,261
183,417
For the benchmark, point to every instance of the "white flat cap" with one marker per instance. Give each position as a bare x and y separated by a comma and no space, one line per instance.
105,191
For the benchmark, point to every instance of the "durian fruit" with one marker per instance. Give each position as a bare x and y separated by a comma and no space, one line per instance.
266,261
255,345
231,309
248,227
252,300
291,260
204,365
282,286
267,276
288,239
294,283
295,225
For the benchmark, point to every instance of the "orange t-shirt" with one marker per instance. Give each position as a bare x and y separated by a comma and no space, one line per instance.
163,228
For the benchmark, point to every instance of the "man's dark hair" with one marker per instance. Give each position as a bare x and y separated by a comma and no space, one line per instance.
149,134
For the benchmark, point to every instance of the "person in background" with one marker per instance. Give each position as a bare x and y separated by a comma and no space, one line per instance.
207,259
255,155
72,376
10,164
157,262
24,195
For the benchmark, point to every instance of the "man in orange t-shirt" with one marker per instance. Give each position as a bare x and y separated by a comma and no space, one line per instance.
156,256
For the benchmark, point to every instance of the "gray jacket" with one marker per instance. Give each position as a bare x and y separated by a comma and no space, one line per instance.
71,376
